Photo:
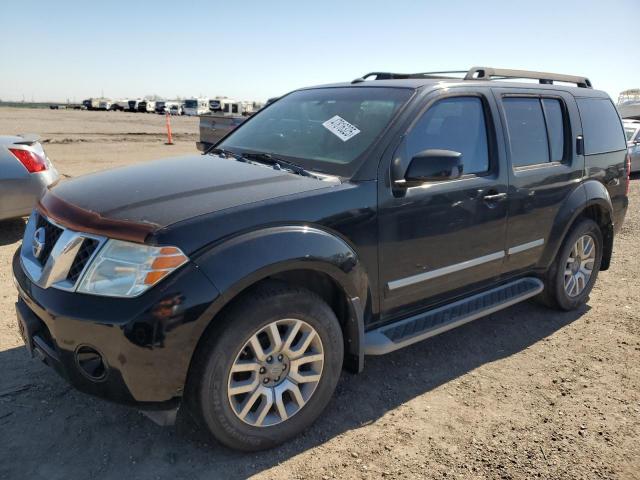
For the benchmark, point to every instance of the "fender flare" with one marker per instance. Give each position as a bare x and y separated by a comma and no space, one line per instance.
587,194
242,261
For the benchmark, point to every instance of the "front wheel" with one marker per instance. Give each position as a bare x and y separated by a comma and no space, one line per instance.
573,274
270,368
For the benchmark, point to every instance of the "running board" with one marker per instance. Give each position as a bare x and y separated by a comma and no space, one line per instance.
420,327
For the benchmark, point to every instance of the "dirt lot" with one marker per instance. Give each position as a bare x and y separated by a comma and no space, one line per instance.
524,393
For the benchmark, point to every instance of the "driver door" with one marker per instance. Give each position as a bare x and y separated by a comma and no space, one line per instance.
445,238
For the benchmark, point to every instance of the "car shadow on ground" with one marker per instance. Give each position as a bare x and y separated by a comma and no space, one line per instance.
121,434
11,230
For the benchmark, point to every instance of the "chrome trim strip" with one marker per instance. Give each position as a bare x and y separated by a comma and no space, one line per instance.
422,277
525,246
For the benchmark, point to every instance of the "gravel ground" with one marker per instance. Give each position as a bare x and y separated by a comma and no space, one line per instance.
524,393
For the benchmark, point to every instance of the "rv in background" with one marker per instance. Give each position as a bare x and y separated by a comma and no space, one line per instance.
176,109
146,106
161,107
92,103
196,106
629,104
240,108
133,105
120,105
164,106
104,104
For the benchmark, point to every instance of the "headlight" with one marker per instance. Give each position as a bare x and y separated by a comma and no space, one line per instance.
125,269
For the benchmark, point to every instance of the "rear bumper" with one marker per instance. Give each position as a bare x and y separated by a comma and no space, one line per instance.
144,343
20,195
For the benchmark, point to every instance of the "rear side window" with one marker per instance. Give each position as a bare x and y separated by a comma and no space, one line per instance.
527,131
537,129
601,126
456,124
555,125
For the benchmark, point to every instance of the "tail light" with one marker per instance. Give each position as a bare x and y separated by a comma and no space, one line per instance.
32,161
627,164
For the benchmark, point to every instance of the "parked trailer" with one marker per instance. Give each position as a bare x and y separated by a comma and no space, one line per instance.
196,106
105,104
133,105
629,104
120,105
161,107
176,109
91,103
215,126
239,108
146,106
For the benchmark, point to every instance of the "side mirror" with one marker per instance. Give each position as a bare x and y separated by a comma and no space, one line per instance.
433,166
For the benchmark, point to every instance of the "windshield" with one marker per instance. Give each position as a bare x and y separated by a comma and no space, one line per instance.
629,131
191,103
324,129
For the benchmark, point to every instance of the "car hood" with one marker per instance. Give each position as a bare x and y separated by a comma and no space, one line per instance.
161,193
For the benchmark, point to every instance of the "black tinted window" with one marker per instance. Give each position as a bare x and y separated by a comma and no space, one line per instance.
555,125
601,126
456,124
527,131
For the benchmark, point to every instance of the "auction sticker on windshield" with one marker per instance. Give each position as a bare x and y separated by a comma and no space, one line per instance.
341,128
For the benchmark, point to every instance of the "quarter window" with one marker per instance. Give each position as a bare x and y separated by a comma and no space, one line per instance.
601,126
456,124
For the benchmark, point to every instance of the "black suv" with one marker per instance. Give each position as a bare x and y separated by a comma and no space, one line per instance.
340,221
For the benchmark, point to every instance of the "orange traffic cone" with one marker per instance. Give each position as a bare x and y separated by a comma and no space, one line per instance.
169,137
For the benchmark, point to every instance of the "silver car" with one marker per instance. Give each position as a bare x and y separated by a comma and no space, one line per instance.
25,171
632,131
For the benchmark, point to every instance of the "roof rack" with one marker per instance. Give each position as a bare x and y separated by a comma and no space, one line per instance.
403,76
484,73
545,78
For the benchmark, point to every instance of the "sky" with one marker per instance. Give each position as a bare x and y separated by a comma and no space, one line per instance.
253,50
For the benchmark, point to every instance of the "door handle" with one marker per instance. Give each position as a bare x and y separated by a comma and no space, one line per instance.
495,197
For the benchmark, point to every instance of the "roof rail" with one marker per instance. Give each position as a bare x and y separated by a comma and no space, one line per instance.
402,76
545,78
483,73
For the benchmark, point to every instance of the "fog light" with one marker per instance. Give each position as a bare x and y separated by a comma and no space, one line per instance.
90,363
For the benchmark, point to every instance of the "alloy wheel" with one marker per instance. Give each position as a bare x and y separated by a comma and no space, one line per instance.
579,266
276,372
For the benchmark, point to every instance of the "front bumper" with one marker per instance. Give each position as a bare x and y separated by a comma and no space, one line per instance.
145,343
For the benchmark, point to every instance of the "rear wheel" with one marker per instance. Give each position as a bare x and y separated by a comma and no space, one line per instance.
573,274
270,369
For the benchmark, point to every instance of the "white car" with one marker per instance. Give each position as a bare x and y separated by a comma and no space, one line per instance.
632,132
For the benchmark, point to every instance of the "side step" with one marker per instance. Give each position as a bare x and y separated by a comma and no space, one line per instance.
419,327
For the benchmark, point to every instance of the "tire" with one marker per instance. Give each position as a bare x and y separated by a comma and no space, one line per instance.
562,294
210,393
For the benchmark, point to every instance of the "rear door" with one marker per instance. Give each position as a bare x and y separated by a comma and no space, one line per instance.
443,239
541,128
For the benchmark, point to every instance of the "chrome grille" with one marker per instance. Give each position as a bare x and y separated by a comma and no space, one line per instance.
52,234
64,256
89,246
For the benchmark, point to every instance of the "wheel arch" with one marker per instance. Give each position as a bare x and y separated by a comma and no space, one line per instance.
590,200
302,256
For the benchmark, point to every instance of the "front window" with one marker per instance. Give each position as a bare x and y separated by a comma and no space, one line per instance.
191,103
325,129
456,124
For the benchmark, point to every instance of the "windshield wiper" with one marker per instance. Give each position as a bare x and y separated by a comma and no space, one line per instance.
269,159
224,153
